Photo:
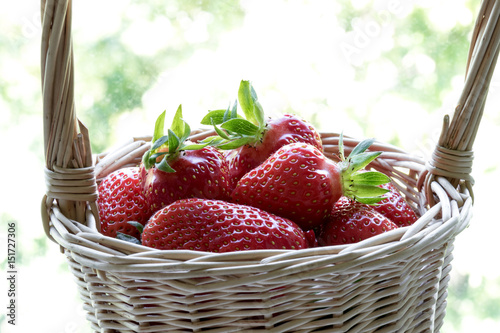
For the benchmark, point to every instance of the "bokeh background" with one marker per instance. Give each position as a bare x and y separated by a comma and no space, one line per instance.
384,69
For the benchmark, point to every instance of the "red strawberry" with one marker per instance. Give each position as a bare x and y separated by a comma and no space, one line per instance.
253,140
121,201
278,133
395,208
352,222
312,241
218,226
199,174
175,169
298,182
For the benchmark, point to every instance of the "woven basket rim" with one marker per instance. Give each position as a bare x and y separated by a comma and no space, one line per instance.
451,218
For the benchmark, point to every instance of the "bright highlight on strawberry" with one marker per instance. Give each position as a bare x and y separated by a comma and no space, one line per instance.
257,183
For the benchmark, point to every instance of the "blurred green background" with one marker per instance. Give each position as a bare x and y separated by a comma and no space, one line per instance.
386,69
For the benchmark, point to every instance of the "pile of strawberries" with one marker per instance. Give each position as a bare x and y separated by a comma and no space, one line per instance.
257,184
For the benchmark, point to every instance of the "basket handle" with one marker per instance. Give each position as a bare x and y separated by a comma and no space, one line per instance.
453,156
69,168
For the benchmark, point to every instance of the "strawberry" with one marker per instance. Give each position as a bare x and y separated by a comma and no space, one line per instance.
298,182
121,201
311,239
253,139
219,226
352,222
395,208
176,169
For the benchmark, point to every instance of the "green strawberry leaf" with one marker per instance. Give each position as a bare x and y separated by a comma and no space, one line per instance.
241,126
187,132
235,143
214,117
358,185
153,157
370,178
233,130
258,110
362,146
221,133
246,101
127,238
137,225
146,160
213,140
195,146
164,166
234,112
179,131
367,191
173,141
360,161
250,104
217,117
159,126
178,125
160,142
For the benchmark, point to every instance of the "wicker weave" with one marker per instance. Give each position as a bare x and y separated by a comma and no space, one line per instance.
395,282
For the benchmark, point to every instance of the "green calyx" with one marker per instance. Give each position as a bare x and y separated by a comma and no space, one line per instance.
358,184
232,130
128,238
165,148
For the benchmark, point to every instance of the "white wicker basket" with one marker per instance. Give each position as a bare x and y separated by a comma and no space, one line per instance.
395,282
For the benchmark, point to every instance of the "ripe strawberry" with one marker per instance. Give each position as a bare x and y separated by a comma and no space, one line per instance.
352,222
219,226
175,169
121,201
311,239
395,208
253,140
298,182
